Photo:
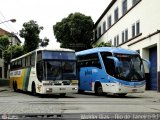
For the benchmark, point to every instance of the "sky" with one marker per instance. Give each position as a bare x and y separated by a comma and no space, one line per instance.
47,13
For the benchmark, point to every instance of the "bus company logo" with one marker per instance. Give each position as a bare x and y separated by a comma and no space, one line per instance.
16,73
87,72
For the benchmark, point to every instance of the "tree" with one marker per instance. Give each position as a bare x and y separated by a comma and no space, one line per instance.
103,44
4,41
44,42
13,51
30,32
75,31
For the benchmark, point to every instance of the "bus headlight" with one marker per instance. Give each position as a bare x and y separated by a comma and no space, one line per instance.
74,88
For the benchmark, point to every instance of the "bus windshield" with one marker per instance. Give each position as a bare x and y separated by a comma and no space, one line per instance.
56,65
130,67
59,70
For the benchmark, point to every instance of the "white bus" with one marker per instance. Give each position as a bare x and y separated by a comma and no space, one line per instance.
45,71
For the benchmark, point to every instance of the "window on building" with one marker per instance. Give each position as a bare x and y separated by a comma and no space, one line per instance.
138,28
5,70
109,21
0,72
133,30
104,26
95,34
126,34
0,53
99,31
116,15
124,7
134,2
116,40
123,37
110,41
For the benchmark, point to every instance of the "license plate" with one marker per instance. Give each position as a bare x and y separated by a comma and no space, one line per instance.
62,88
134,90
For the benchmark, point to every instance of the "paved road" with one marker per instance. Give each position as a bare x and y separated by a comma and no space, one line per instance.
20,103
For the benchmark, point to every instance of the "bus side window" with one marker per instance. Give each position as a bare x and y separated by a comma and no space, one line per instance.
90,60
19,63
16,64
109,64
110,67
23,62
28,60
33,59
97,64
12,65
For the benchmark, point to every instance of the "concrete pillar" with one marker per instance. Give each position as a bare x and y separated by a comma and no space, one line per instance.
158,64
144,52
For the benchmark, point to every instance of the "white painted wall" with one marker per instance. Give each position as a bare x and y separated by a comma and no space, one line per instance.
147,12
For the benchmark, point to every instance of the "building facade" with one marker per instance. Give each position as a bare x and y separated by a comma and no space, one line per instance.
13,39
135,25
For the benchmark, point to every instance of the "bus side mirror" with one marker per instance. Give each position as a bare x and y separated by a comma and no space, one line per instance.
147,62
116,61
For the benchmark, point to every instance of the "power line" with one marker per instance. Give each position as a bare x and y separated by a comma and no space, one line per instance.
7,24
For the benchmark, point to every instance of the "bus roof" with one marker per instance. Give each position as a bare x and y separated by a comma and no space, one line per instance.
44,49
106,49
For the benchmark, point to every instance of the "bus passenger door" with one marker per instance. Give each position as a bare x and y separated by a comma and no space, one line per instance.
85,79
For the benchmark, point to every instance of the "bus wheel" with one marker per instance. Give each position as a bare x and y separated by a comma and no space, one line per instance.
15,86
62,94
80,91
34,90
98,90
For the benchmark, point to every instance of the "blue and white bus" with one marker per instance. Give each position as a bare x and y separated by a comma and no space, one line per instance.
111,70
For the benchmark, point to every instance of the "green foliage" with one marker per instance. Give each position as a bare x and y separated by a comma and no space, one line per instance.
75,31
30,32
102,44
4,41
44,42
13,52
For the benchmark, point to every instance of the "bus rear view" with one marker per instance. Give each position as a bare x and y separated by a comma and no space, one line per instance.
111,70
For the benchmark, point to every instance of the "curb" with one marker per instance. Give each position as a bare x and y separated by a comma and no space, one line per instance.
3,90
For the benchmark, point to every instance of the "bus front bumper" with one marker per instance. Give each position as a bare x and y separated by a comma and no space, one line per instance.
58,89
120,88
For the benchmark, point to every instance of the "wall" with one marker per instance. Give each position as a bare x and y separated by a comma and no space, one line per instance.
147,13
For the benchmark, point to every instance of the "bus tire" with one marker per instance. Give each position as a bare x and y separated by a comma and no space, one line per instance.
34,89
80,91
15,86
62,94
98,89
